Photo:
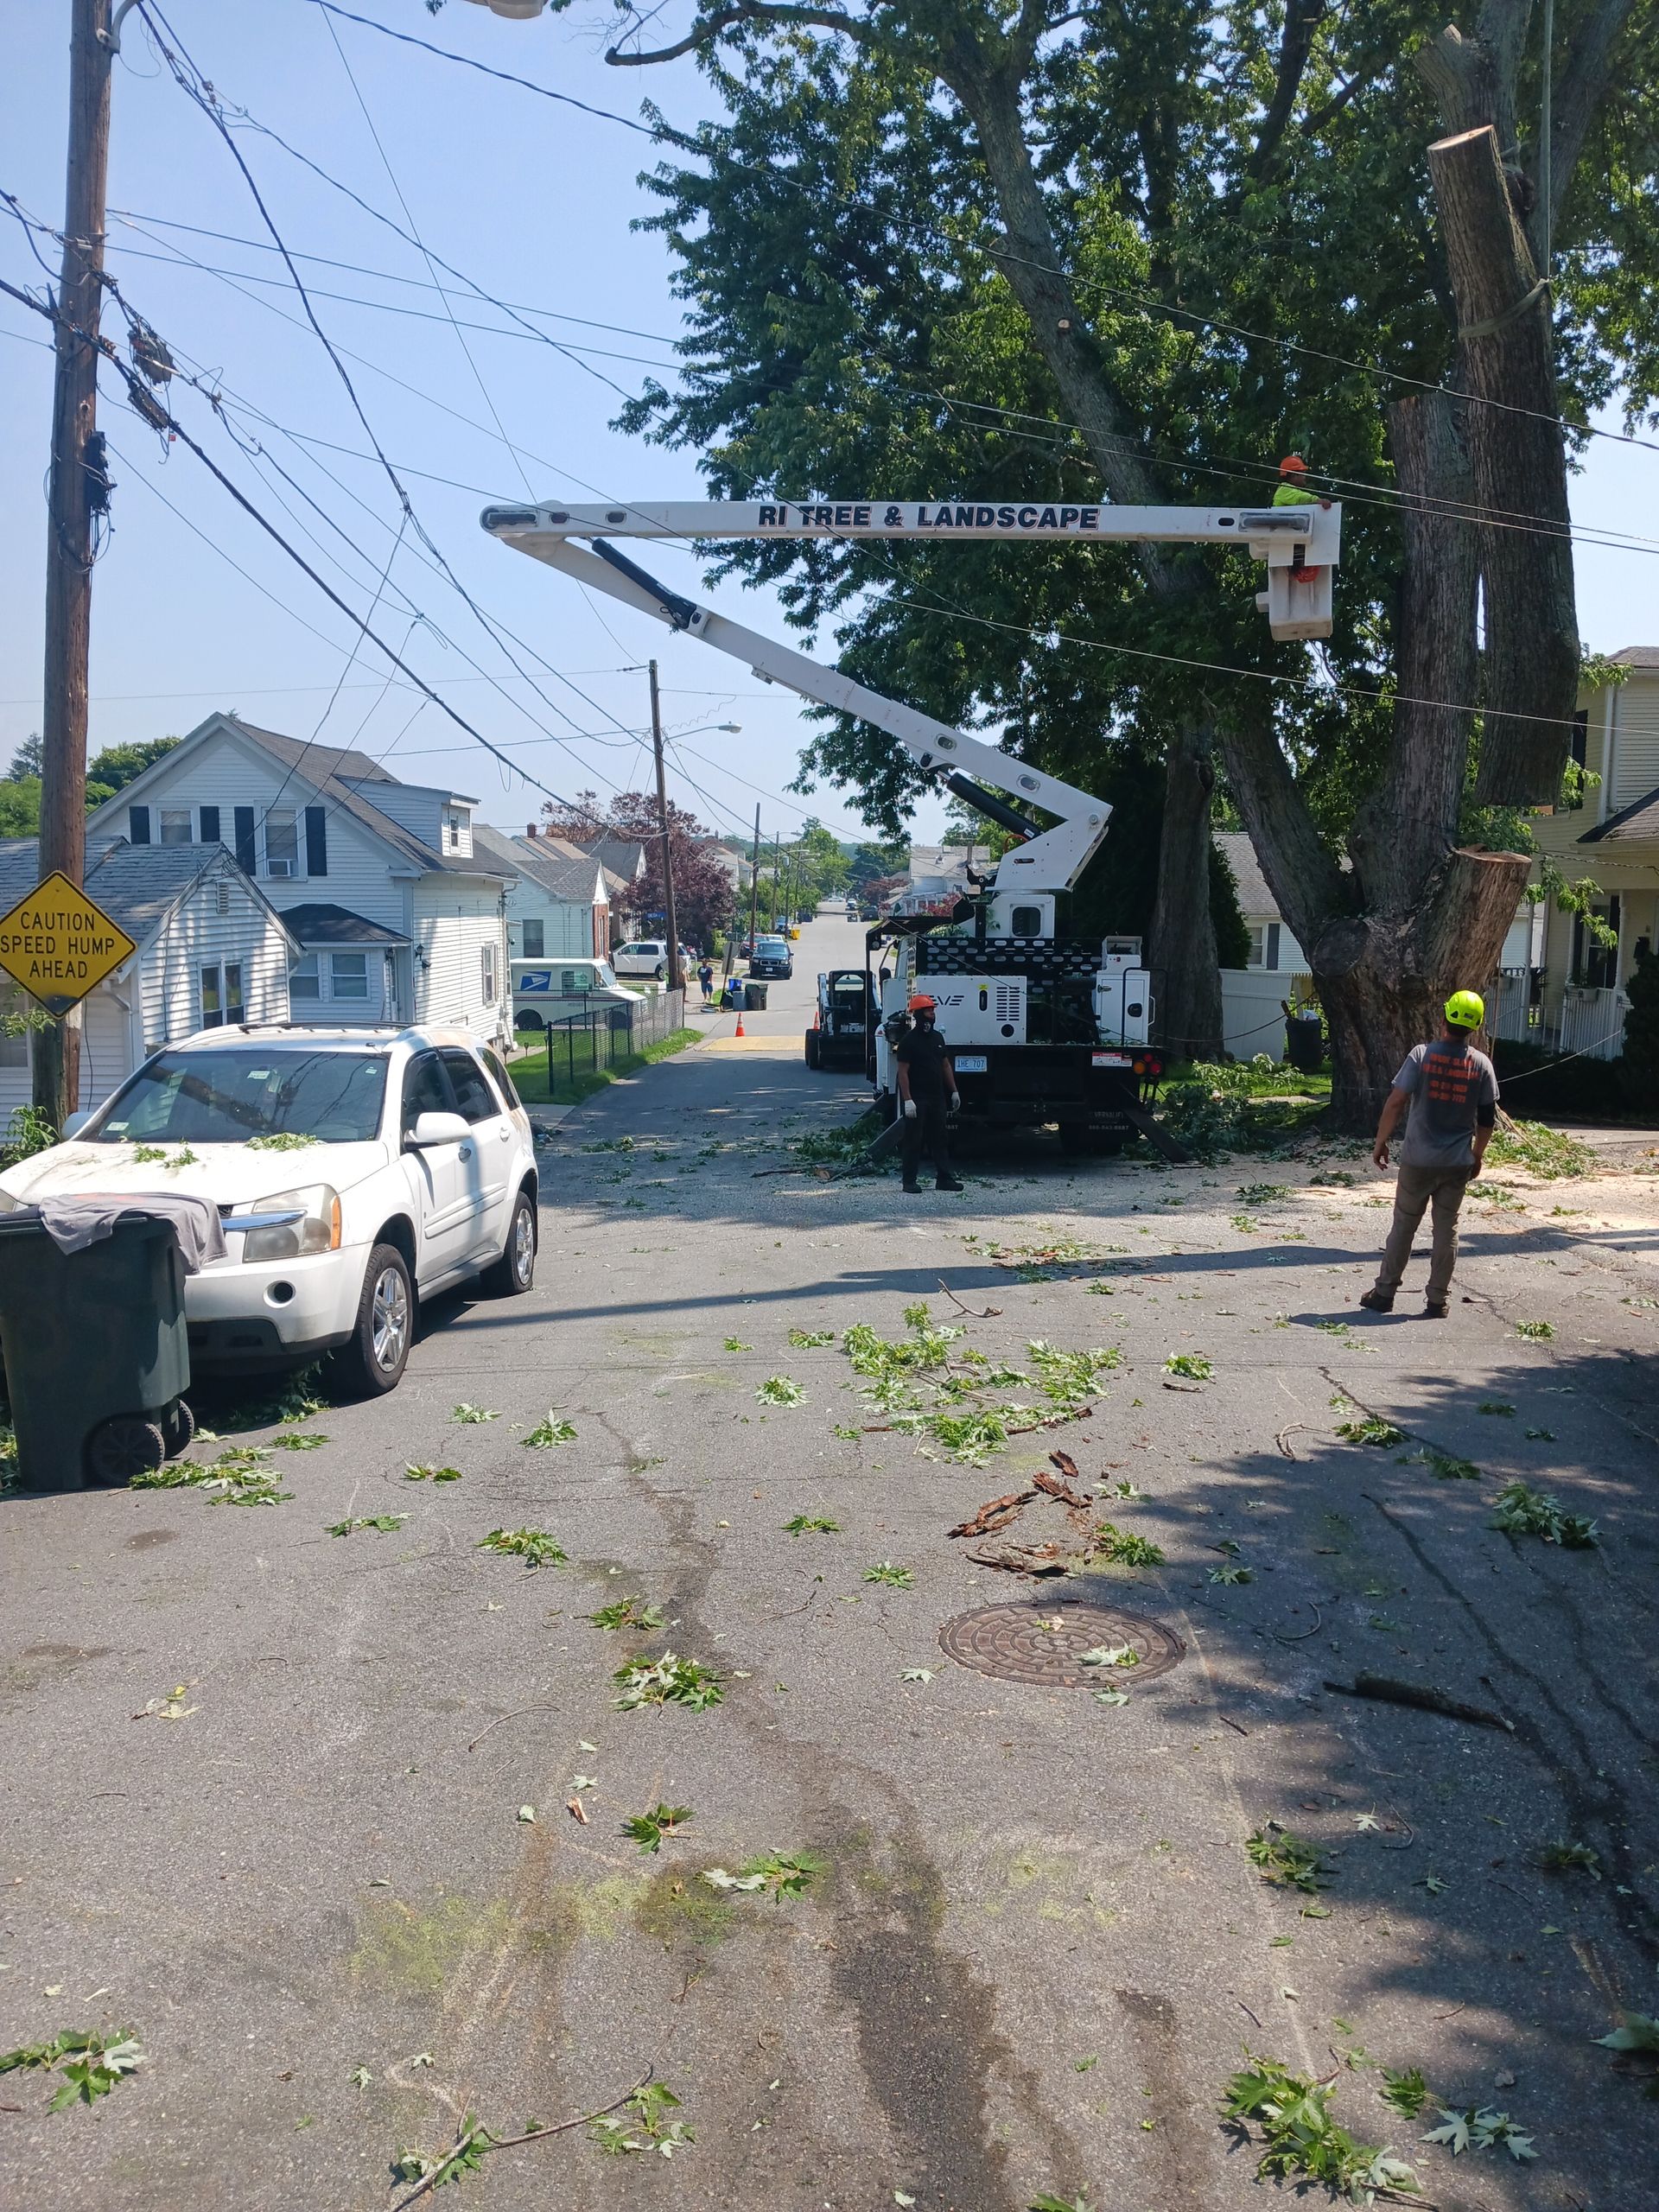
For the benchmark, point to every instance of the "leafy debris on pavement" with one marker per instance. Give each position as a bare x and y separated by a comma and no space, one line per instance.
419,1474
299,1440
1191,1366
630,1613
238,1476
1565,1858
667,1680
385,1522
468,1416
1406,2091
780,1390
915,1674
810,1339
778,1874
552,1429
534,1546
1302,2141
1287,1860
1480,2131
170,1707
925,1388
648,1829
1372,1428
1497,1406
1124,1548
811,1524
1111,1654
736,1344
995,1513
1537,1332
91,2061
647,2110
1524,1511
1229,1571
1441,1465
897,1577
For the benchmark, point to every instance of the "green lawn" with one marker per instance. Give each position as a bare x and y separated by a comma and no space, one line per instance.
529,1076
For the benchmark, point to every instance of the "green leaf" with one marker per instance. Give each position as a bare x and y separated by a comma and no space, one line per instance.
385,1522
1192,1366
468,1414
1406,2092
1635,2031
648,1829
552,1429
897,1577
779,1391
1289,1860
311,1439
534,1546
915,1674
736,1344
810,1339
667,1680
630,1613
811,1524
1539,1332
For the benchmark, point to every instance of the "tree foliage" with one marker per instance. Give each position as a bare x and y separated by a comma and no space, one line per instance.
703,895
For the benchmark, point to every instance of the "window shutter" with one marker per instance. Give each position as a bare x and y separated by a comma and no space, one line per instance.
1273,944
316,840
245,857
138,825
210,825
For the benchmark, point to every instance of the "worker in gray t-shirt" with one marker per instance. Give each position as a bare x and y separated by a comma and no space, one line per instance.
1450,1092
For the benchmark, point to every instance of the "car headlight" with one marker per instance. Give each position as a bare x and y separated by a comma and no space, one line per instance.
8,1203
318,1230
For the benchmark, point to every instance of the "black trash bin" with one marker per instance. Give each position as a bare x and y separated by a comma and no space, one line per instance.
1305,1043
754,998
96,1359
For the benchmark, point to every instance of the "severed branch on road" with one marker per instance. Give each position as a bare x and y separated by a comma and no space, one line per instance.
469,2140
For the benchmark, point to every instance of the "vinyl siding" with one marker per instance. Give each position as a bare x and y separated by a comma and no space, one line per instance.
454,920
1633,767
170,967
567,927
228,771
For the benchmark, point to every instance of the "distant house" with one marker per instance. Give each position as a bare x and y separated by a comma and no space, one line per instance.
1272,945
397,918
559,907
212,949
623,858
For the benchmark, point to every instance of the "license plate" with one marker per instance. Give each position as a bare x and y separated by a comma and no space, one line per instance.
1112,1060
969,1063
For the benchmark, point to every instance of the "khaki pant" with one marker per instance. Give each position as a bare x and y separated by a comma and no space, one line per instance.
1416,1190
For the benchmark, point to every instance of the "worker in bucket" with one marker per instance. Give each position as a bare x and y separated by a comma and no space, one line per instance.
1450,1092
927,1085
1294,492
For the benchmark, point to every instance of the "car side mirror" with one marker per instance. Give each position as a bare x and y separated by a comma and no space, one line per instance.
73,1123
437,1128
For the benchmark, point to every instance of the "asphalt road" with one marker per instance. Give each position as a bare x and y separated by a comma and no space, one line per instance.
1036,1945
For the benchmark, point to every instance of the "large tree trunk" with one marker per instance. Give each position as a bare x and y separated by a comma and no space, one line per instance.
1383,979
1181,947
1520,468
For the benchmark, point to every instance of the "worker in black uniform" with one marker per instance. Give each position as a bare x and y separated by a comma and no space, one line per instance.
927,1084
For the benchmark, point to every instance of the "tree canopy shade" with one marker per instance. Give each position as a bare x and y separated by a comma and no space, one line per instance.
1011,249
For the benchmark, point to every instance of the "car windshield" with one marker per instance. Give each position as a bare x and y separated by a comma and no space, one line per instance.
229,1096
772,944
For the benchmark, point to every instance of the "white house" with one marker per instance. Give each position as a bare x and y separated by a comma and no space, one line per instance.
397,918
560,906
212,949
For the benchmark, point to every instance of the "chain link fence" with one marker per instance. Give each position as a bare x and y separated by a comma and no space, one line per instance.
582,1044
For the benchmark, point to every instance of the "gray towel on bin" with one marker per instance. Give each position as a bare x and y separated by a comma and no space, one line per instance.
73,1224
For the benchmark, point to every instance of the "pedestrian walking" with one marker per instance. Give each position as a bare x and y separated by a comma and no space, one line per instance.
1450,1092
706,979
927,1084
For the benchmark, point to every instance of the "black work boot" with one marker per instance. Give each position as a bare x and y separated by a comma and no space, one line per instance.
1434,1309
1377,1301
910,1184
946,1181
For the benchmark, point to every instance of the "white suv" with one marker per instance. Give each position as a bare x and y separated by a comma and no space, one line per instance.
644,956
355,1170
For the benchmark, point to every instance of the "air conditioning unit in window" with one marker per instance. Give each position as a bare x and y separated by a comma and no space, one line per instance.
279,868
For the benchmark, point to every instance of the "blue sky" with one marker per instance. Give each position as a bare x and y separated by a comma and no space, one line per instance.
533,201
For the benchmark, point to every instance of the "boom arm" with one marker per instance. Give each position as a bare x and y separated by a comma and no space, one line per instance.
1050,859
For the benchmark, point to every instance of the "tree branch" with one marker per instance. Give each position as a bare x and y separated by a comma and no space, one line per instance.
709,27
1580,93
1302,19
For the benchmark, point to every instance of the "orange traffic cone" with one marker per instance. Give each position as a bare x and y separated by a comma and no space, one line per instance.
738,1032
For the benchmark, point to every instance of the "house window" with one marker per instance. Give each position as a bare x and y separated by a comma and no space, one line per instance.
455,821
177,826
348,975
535,940
221,995
282,842
486,967
14,1042
303,981
1258,936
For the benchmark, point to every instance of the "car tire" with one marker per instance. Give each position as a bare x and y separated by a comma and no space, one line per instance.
371,1363
514,1272
660,972
814,1049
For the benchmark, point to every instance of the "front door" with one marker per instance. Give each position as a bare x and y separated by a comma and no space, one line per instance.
439,1176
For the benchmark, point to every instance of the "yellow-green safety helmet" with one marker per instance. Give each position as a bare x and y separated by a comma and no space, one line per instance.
1466,1009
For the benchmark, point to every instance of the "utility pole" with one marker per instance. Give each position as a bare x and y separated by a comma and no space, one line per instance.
78,485
754,884
676,974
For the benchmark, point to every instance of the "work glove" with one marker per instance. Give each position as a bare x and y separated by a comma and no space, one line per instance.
956,1101
910,1109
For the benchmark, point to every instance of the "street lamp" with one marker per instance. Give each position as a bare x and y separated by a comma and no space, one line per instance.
518,11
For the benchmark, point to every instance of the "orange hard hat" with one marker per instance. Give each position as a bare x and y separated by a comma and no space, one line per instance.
920,1001
1293,464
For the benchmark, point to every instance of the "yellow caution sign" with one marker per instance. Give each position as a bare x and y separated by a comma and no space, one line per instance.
57,943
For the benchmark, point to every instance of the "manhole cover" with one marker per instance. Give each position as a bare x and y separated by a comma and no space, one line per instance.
1045,1643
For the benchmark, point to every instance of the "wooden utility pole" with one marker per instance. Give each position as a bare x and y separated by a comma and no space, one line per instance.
754,884
78,488
676,974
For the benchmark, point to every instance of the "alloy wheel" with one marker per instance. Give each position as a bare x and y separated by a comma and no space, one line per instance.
388,1325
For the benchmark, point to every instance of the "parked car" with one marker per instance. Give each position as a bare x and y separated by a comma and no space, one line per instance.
842,1029
397,1163
772,957
554,990
642,955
